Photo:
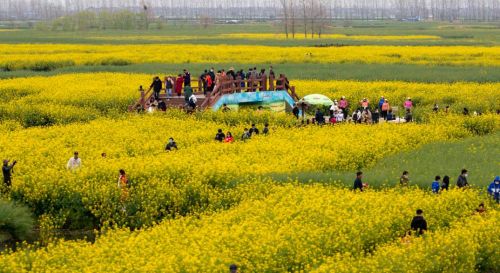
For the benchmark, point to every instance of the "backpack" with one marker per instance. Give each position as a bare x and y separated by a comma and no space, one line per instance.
209,80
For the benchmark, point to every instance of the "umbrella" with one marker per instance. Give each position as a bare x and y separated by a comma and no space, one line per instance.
316,99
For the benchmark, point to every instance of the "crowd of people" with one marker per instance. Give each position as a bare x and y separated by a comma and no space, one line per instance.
438,185
247,134
209,80
364,112
418,223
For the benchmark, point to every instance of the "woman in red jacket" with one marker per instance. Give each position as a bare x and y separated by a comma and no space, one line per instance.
178,85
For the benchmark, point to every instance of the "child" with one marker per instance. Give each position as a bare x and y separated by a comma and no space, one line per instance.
435,184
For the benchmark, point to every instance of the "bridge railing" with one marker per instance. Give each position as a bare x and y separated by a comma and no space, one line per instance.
226,85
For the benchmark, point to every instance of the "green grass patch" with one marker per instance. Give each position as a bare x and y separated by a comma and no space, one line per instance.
345,71
471,34
479,155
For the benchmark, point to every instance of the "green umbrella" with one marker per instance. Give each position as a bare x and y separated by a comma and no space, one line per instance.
316,99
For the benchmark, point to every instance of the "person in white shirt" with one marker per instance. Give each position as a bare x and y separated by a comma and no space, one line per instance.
192,101
339,116
74,162
334,108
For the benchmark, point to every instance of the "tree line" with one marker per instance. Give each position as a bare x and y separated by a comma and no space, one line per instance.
310,13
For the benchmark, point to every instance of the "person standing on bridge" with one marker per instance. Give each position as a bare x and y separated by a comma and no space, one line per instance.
211,72
178,85
187,78
263,80
156,85
169,85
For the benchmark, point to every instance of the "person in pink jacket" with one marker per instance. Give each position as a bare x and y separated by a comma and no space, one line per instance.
408,104
343,106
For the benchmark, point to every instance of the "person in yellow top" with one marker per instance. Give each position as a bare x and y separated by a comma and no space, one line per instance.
123,184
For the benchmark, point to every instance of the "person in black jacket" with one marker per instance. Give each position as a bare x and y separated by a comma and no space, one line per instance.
7,171
187,78
446,183
171,145
358,184
253,130
156,85
462,179
265,131
320,118
295,111
375,116
419,224
220,136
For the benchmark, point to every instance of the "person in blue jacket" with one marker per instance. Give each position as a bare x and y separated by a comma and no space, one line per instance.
494,189
435,184
380,102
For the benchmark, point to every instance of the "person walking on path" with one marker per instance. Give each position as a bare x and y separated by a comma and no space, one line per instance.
494,189
435,184
462,179
358,183
404,180
446,183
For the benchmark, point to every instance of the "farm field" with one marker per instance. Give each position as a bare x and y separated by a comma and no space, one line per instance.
281,202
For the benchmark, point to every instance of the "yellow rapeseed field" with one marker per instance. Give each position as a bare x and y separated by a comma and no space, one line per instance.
264,36
299,36
36,57
82,97
209,204
196,176
292,228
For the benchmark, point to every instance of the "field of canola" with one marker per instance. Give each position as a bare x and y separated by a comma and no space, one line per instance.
293,228
209,204
50,56
68,98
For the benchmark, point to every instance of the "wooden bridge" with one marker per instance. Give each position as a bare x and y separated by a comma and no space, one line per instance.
222,87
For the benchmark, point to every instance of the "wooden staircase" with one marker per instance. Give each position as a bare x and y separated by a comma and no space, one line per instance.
224,86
